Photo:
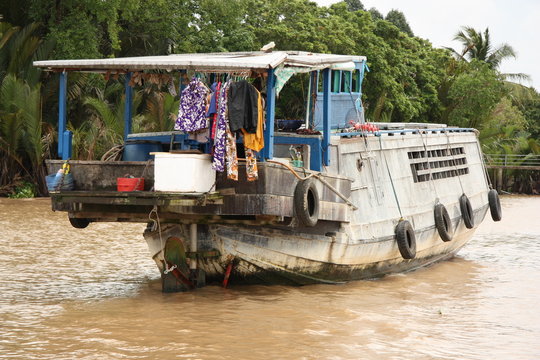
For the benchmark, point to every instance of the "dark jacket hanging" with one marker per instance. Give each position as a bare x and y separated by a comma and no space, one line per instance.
242,104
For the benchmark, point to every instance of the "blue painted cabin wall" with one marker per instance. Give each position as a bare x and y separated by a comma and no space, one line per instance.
342,102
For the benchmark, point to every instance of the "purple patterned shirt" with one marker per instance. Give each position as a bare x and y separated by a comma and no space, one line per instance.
221,130
192,109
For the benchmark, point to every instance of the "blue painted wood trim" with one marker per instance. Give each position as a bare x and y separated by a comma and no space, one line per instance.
326,116
62,111
315,151
67,147
268,150
181,85
128,106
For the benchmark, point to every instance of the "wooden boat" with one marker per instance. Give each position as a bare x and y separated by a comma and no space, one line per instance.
357,203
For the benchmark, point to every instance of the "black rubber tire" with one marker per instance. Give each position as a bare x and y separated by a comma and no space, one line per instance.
406,239
306,202
494,205
443,222
79,223
467,212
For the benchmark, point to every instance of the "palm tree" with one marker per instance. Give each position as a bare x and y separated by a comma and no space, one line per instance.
478,45
23,143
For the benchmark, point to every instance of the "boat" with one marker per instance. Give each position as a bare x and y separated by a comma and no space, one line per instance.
338,199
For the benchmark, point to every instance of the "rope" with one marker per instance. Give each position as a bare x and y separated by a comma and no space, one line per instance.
390,176
113,153
362,120
481,155
141,177
453,162
65,171
317,176
157,224
429,167
291,170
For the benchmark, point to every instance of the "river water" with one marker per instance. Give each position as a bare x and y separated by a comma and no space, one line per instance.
95,294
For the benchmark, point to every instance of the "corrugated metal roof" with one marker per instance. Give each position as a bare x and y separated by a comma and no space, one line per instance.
208,61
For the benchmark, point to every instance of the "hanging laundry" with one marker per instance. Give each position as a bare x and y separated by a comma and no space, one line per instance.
231,155
212,108
192,109
242,103
251,165
256,141
218,163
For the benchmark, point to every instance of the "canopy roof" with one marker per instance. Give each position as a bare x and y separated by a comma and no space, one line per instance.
233,61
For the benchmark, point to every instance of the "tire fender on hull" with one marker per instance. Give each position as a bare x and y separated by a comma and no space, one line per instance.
406,240
79,223
467,212
494,205
306,202
443,222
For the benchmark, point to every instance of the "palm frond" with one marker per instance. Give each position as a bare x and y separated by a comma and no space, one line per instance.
516,76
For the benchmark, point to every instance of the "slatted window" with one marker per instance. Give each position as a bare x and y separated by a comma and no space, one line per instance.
437,164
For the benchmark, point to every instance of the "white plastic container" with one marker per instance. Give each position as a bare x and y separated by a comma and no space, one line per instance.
183,172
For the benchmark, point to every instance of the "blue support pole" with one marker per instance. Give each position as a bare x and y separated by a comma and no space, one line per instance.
67,145
181,85
326,116
62,111
268,150
128,106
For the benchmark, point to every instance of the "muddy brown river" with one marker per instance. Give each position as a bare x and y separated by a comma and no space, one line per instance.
96,294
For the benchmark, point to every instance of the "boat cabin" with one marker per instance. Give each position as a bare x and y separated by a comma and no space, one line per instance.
333,100
334,93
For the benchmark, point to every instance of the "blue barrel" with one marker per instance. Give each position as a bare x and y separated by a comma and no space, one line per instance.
139,150
54,179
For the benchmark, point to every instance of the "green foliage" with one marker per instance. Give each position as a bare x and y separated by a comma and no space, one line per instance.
159,28
397,18
22,144
473,95
354,5
478,46
376,14
26,190
409,79
19,47
532,114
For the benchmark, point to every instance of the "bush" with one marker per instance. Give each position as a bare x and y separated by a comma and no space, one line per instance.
26,190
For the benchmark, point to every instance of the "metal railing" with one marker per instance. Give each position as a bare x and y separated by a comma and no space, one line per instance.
508,160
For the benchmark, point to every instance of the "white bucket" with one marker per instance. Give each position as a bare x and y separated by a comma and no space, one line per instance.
183,172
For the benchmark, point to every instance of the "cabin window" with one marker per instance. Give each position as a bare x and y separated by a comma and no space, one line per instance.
355,81
341,81
346,81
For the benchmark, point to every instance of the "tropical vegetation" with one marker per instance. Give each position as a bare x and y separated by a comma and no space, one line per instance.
410,80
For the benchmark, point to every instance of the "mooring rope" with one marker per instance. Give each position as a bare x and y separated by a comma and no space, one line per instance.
157,225
453,161
429,167
317,176
390,176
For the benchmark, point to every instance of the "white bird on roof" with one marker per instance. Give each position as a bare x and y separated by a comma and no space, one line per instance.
268,47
